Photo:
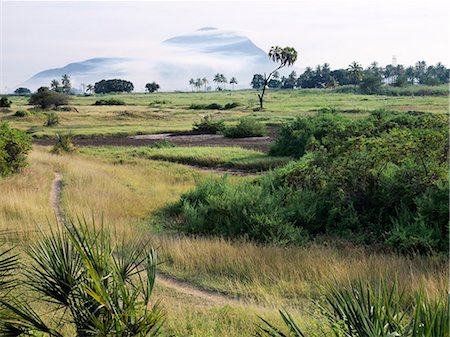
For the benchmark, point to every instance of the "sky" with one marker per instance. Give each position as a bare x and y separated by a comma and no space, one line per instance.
37,35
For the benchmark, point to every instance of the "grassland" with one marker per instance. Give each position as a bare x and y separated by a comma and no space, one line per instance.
213,157
127,195
164,112
126,189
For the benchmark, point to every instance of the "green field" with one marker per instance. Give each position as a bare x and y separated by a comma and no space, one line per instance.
213,157
165,112
132,190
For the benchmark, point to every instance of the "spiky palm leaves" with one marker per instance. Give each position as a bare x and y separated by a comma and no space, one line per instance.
100,288
362,311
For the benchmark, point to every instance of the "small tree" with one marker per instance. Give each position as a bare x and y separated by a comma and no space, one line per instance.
5,102
152,87
22,91
257,81
14,147
285,57
46,98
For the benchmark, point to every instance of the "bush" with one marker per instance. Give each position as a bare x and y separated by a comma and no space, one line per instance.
162,144
52,119
22,113
5,102
371,84
63,144
14,147
213,106
217,207
246,128
46,98
110,101
382,179
208,126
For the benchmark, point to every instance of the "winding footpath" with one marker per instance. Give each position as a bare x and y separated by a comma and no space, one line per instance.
165,280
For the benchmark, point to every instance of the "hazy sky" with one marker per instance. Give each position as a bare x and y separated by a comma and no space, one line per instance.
38,35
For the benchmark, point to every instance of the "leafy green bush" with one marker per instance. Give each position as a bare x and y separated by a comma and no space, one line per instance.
162,144
22,113
63,144
52,119
111,101
246,127
382,179
5,102
213,106
217,207
46,98
208,126
14,147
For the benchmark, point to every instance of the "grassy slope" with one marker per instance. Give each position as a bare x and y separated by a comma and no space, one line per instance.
143,115
226,157
126,195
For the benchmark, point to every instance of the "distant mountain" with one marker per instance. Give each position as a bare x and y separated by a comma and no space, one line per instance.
202,53
212,40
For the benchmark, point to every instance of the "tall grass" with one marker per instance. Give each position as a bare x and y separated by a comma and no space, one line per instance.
289,275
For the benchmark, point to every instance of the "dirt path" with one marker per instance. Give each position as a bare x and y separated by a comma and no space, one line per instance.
186,288
163,279
55,197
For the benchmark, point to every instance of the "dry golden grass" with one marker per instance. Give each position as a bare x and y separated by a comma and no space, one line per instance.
127,195
287,276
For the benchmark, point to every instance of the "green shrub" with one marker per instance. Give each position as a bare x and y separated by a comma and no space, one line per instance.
111,101
162,144
217,207
5,102
14,147
382,179
46,98
213,106
52,119
246,127
22,113
63,144
230,106
208,126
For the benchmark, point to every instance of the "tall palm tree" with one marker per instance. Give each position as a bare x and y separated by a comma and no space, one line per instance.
90,88
192,83
233,81
205,82
65,81
54,85
355,71
218,79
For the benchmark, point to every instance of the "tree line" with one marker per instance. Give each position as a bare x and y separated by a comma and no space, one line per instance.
220,80
322,76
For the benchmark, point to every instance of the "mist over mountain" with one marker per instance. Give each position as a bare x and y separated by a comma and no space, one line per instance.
174,61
